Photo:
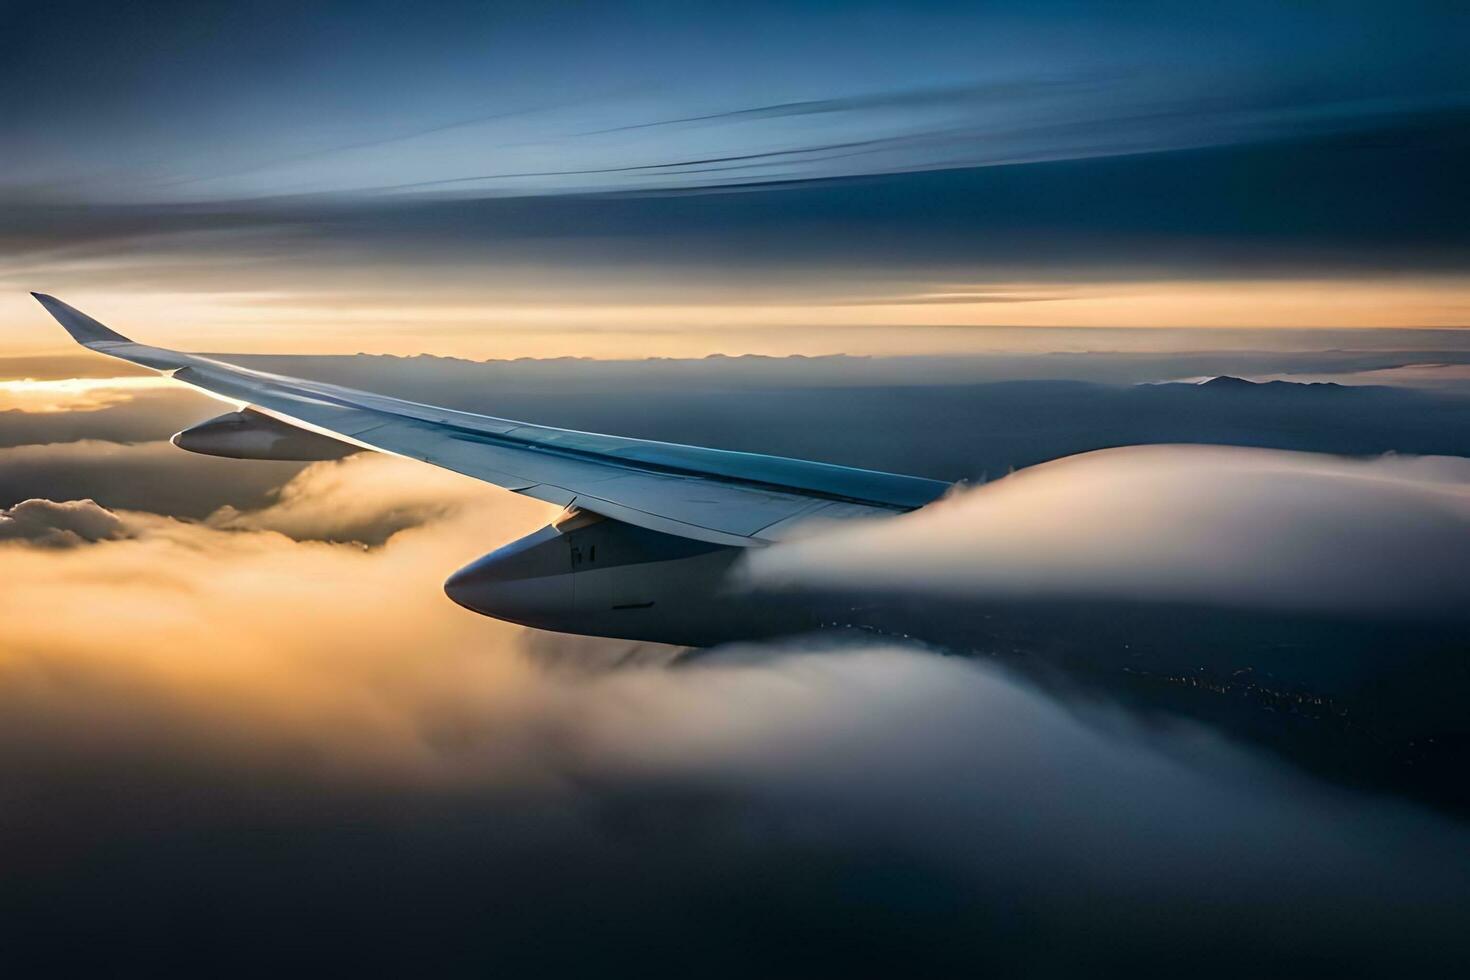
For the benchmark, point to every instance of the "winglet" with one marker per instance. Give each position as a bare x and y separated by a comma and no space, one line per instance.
83,329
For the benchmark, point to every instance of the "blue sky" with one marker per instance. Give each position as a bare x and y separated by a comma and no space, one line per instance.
217,101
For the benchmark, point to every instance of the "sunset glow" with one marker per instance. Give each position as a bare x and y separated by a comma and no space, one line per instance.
929,322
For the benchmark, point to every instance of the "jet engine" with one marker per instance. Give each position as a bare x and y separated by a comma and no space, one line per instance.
249,434
589,574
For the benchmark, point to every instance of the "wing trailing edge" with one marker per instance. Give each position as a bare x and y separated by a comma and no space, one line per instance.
713,495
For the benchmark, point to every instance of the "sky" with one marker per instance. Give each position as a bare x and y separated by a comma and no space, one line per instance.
1028,247
682,179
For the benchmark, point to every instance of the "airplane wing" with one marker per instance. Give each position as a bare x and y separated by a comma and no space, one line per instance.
712,495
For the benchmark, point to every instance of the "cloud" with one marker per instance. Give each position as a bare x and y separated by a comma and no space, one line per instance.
263,719
66,367
151,476
367,497
107,414
1447,377
364,498
1209,525
233,631
74,394
1345,210
59,525
972,97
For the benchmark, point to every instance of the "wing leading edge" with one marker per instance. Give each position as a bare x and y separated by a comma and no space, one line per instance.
711,495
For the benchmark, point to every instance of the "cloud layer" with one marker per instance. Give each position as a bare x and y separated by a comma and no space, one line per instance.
147,476
60,525
1192,524
239,683
306,740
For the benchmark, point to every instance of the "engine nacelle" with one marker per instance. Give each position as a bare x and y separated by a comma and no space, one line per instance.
249,434
592,575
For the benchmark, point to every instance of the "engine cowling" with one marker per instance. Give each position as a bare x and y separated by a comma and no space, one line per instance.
249,434
592,575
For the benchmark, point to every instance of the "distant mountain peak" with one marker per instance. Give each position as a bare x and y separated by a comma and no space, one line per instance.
1228,382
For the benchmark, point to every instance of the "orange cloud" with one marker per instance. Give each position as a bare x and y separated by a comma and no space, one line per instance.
259,644
75,394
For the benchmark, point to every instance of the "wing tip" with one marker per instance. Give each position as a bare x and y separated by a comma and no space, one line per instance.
83,329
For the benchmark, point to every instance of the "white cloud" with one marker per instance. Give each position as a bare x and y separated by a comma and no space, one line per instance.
1214,525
